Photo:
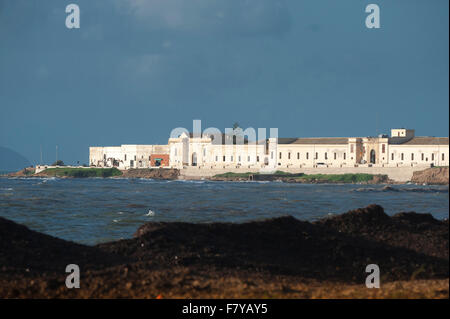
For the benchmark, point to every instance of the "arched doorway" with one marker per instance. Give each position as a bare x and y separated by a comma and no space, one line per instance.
194,159
372,156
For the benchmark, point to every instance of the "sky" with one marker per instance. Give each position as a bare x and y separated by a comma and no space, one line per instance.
136,69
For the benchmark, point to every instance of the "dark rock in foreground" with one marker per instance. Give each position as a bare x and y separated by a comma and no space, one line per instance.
182,256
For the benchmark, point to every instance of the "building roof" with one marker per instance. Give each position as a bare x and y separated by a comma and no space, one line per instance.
420,140
313,140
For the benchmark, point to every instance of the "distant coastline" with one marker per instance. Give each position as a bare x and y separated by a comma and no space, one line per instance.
430,176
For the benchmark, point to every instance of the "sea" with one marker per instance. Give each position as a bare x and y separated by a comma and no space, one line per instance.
97,210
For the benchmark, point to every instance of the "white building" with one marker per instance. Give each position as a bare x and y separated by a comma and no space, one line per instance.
402,148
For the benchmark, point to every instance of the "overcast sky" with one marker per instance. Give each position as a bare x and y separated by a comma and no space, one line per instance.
137,69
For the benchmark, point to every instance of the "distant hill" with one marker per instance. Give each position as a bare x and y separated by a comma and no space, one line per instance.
11,160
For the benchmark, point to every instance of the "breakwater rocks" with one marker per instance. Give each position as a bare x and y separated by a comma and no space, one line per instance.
152,173
280,257
432,176
84,172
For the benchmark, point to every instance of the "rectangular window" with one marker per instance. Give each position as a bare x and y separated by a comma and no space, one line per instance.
326,155
335,156
317,155
289,155
224,158
298,155
351,148
257,158
217,158
239,158
248,158
443,157
383,148
432,157
412,156
402,157
307,155
344,156
125,156
280,155
231,158
422,156
392,156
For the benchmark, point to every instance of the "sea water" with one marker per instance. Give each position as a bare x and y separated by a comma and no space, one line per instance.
95,210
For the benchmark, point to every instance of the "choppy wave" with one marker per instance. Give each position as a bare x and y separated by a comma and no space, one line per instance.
83,210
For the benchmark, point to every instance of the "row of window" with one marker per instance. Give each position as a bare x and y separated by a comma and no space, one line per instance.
142,157
325,156
232,158
422,157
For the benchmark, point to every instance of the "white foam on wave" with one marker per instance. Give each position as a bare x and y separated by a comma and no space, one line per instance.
150,213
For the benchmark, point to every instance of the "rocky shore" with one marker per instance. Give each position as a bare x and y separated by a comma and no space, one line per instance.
280,258
152,173
432,176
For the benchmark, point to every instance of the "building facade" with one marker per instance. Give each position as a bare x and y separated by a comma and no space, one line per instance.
402,148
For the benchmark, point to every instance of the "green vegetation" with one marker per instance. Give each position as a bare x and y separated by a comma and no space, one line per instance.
82,172
247,174
282,173
301,177
336,178
58,163
28,171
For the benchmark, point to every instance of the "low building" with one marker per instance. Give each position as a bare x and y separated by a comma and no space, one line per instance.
402,148
129,156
